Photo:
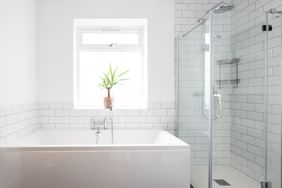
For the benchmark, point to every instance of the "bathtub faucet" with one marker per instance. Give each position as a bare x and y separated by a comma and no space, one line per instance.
97,124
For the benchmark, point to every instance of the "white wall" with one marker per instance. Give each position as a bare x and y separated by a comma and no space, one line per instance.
55,21
17,52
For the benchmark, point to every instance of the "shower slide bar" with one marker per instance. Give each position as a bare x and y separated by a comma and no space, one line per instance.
200,22
218,8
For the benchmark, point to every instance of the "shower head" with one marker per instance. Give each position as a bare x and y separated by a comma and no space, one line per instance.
224,7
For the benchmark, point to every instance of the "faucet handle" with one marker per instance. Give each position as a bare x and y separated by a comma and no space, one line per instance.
92,123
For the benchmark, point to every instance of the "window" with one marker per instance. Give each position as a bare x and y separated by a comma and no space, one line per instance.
119,42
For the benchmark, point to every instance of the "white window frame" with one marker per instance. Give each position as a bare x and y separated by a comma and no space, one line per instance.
82,26
138,30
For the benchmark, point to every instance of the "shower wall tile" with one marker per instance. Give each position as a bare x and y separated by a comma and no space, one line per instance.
17,121
247,101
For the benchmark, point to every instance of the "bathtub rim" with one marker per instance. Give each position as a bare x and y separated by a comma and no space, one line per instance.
180,145
97,148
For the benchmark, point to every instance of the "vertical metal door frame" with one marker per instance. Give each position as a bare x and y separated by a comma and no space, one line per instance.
281,98
210,145
266,62
176,58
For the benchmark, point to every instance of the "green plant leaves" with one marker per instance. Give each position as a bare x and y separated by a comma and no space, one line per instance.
111,78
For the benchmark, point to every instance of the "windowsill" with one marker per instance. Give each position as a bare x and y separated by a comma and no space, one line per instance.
114,108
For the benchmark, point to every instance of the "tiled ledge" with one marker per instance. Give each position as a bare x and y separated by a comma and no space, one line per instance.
17,121
62,115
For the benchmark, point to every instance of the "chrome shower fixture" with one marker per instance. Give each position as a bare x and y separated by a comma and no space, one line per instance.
224,7
274,11
219,8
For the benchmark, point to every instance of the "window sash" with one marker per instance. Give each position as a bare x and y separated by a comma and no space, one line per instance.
111,30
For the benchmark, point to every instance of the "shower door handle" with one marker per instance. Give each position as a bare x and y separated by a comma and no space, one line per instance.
219,105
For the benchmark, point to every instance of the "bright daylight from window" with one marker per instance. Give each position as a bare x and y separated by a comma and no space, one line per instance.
119,43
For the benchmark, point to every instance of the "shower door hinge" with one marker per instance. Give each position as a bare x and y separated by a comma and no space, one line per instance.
266,184
265,28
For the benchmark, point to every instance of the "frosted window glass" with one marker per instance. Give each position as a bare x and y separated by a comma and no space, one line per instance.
127,95
111,38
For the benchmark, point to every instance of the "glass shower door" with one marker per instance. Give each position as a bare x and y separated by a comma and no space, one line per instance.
240,98
193,102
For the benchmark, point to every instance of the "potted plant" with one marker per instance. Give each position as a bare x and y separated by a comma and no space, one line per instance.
109,80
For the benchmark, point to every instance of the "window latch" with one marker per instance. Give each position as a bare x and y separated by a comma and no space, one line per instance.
111,45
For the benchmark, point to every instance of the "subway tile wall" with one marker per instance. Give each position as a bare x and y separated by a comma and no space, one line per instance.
247,101
247,131
17,121
20,120
62,115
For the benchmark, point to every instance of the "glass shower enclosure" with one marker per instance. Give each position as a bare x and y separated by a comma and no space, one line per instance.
229,97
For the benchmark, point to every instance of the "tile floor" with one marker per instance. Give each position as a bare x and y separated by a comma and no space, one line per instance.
234,177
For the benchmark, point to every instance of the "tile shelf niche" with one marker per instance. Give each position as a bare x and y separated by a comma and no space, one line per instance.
224,62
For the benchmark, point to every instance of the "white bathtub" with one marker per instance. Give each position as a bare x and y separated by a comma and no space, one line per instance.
72,159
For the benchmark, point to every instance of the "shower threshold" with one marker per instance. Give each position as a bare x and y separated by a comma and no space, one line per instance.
233,177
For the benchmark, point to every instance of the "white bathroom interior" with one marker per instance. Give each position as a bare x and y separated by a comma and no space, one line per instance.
140,93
